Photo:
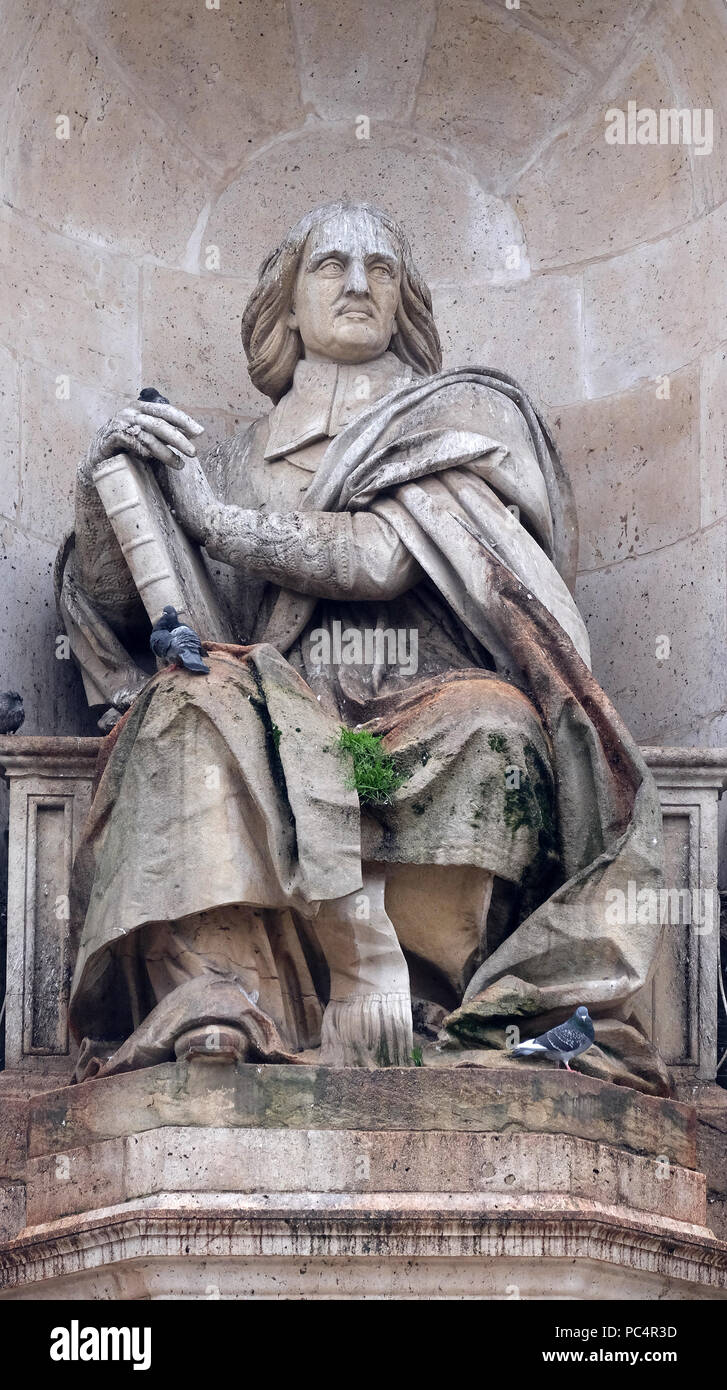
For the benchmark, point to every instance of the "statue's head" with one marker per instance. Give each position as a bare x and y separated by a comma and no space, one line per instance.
342,286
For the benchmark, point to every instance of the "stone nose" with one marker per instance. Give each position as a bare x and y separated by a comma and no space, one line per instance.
355,281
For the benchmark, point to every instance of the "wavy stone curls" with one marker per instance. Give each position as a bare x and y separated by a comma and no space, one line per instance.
273,348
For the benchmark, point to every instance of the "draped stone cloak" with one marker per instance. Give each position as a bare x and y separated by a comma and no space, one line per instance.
459,474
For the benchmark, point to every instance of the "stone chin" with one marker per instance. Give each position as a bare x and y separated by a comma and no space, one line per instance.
357,348
358,340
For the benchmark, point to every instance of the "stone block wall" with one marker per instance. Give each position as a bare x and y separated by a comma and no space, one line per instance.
593,272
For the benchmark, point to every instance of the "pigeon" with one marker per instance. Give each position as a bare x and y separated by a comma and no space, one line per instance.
565,1041
12,713
177,644
150,393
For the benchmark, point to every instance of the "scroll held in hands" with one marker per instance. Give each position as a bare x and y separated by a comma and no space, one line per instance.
167,568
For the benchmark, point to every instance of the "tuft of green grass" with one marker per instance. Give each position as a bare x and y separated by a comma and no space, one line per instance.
375,774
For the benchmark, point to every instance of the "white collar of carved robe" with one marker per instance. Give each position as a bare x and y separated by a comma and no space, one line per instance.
326,396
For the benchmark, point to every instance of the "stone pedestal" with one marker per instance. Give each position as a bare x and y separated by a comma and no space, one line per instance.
209,1180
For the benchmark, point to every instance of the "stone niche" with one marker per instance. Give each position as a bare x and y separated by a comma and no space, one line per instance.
584,269
592,283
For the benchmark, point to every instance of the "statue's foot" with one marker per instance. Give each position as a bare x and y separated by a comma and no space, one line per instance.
208,1016
368,1030
215,1042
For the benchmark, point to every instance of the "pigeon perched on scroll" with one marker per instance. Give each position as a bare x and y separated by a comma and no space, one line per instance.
178,644
12,713
564,1042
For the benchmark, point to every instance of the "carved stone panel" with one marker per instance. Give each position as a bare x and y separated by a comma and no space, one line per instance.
678,1006
50,794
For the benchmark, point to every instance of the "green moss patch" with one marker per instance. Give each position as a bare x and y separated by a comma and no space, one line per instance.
375,774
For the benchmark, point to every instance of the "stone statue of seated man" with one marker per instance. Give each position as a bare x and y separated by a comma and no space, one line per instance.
392,547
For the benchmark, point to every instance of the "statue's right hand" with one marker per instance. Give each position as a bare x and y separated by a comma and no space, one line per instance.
148,430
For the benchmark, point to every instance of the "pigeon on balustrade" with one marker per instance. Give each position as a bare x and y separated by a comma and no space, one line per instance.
564,1042
12,713
178,644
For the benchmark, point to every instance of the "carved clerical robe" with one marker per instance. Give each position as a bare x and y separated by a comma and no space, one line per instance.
367,502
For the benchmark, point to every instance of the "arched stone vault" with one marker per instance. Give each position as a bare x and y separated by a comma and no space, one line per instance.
591,271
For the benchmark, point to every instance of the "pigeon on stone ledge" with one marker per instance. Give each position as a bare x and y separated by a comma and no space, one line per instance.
177,644
12,713
563,1042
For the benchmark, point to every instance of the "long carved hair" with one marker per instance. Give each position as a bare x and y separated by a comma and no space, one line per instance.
272,347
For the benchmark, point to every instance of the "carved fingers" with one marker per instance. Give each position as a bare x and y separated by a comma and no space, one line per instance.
170,413
149,430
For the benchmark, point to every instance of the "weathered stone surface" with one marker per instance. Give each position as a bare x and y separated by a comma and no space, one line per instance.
9,433
713,440
223,79
712,1154
391,1250
660,698
12,1209
249,1163
505,1170
80,1181
13,1134
682,1020
459,233
619,451
64,756
655,308
343,74
20,22
570,220
503,999
528,85
218,424
531,330
597,32
60,430
191,348
68,306
78,181
693,40
49,686
393,1099
50,799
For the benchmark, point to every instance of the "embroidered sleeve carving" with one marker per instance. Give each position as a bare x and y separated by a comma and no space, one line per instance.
327,554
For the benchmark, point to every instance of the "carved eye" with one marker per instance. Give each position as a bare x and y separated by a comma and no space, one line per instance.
382,271
331,266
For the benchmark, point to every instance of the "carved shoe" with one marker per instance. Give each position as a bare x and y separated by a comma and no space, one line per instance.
216,1042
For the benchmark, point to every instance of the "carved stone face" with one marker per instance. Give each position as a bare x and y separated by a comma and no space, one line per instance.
347,290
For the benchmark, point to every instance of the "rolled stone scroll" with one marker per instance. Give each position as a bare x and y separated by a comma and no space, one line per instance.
165,565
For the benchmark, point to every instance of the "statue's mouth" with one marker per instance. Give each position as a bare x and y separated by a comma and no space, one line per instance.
358,314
